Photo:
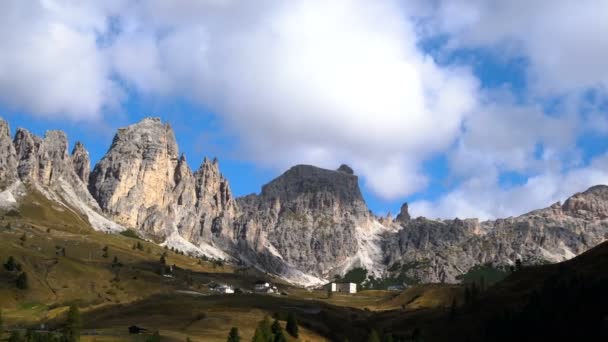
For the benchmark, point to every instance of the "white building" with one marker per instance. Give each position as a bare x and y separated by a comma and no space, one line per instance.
396,288
225,289
342,287
264,287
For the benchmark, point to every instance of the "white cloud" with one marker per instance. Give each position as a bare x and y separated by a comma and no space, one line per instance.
482,197
327,82
564,41
50,63
309,82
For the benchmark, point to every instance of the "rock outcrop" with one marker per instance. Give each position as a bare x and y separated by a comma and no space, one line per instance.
404,214
308,217
81,162
8,158
143,183
307,224
440,251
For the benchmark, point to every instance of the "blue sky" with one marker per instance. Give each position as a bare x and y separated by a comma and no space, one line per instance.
460,108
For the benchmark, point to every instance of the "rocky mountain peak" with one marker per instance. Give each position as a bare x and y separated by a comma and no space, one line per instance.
404,214
137,172
144,183
346,169
81,162
27,147
306,180
590,204
8,159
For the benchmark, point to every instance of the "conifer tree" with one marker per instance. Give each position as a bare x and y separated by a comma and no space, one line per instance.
292,325
276,326
22,282
373,336
233,336
10,264
73,324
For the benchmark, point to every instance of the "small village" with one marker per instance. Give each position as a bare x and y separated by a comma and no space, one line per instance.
265,287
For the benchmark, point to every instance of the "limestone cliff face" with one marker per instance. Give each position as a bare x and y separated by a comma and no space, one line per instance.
143,183
8,157
307,217
309,222
135,177
81,162
439,251
45,163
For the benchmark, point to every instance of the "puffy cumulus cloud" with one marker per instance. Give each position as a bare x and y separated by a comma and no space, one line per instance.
50,62
564,41
482,197
307,82
322,82
507,136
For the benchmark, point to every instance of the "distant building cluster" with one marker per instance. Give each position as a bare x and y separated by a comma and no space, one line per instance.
341,287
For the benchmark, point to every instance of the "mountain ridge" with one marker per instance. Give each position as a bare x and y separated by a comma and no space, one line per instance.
306,225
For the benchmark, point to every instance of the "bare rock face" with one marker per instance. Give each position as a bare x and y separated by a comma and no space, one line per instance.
440,251
28,151
141,183
307,217
8,158
45,162
81,162
591,204
137,173
404,214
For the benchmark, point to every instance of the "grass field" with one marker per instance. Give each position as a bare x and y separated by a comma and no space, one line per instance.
66,263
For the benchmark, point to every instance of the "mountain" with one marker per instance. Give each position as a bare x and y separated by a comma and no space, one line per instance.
30,163
446,249
307,225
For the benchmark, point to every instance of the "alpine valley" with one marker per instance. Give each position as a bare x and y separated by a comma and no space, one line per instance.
306,226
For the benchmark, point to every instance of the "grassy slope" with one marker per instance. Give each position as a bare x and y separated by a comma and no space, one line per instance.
143,297
571,312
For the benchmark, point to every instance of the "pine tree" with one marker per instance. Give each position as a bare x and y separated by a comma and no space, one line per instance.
115,262
467,295
373,336
23,238
233,336
518,265
277,332
280,336
258,336
73,324
453,309
292,325
16,336
154,338
10,264
388,338
263,332
276,326
22,282
105,252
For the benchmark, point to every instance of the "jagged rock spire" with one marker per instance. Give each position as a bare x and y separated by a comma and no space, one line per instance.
8,159
81,162
404,214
